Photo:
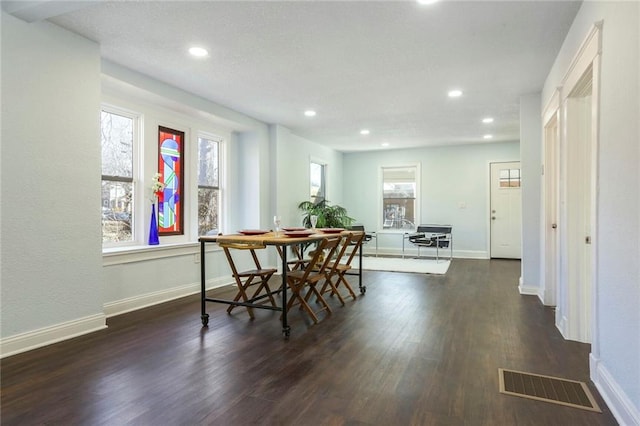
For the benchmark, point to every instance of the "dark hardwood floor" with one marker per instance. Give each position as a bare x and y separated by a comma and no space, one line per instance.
414,350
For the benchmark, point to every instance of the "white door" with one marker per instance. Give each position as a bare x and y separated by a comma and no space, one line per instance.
579,198
551,195
506,211
578,176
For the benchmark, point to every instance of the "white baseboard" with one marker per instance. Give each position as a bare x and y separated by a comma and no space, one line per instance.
390,251
149,299
561,323
471,254
528,290
46,336
617,400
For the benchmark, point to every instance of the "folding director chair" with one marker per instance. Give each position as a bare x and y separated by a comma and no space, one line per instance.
245,279
310,275
337,270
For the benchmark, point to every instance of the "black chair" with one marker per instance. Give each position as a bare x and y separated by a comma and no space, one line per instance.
368,236
434,236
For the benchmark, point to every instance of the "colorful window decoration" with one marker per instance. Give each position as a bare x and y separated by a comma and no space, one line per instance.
170,165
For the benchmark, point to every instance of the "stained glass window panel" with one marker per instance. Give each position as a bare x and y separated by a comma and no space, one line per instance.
170,165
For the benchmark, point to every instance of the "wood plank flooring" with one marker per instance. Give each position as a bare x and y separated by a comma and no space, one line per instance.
414,350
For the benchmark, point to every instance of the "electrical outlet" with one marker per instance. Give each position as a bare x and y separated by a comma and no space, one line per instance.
196,258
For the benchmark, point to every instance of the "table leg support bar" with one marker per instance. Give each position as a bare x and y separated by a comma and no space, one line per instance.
363,289
203,288
286,330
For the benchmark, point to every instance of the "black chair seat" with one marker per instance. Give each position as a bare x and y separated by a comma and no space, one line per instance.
438,236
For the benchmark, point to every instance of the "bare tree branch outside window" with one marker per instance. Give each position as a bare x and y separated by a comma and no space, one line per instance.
117,133
208,186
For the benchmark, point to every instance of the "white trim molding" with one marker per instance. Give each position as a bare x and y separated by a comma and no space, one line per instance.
590,48
528,290
618,402
131,254
425,252
154,298
576,307
48,335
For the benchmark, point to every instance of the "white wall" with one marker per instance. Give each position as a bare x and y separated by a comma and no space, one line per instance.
147,275
531,162
615,358
56,281
449,176
252,169
51,251
291,158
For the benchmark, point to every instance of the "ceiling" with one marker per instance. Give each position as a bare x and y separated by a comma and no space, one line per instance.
384,65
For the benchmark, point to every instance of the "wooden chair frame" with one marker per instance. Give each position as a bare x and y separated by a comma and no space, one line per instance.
339,270
309,277
246,279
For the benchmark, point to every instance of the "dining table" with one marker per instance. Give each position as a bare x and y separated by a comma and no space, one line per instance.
283,241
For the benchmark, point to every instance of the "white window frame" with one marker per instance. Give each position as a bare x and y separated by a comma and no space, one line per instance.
418,202
221,180
150,115
137,223
325,177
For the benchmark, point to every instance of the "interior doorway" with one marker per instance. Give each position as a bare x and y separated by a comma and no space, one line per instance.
579,199
551,180
577,248
506,211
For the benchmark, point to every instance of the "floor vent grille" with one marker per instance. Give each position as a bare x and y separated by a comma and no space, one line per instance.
547,388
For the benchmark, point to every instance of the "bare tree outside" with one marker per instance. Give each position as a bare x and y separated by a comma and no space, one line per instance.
117,133
208,186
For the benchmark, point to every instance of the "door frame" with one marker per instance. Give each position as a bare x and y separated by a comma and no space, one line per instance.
570,318
550,202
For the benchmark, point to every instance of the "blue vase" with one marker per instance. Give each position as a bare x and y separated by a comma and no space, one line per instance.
153,229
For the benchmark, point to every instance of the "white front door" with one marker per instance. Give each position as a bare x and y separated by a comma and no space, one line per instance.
506,211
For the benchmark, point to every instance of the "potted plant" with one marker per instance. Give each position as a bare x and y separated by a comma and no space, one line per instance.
328,216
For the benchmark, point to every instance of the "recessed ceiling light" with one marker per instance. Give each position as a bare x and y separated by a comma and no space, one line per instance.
198,51
310,113
364,132
487,120
385,144
427,1
488,136
455,93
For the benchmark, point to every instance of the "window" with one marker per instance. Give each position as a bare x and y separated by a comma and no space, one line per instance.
399,197
208,185
318,182
171,167
118,135
509,178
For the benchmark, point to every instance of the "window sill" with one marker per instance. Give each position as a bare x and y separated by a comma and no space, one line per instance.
396,231
131,254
